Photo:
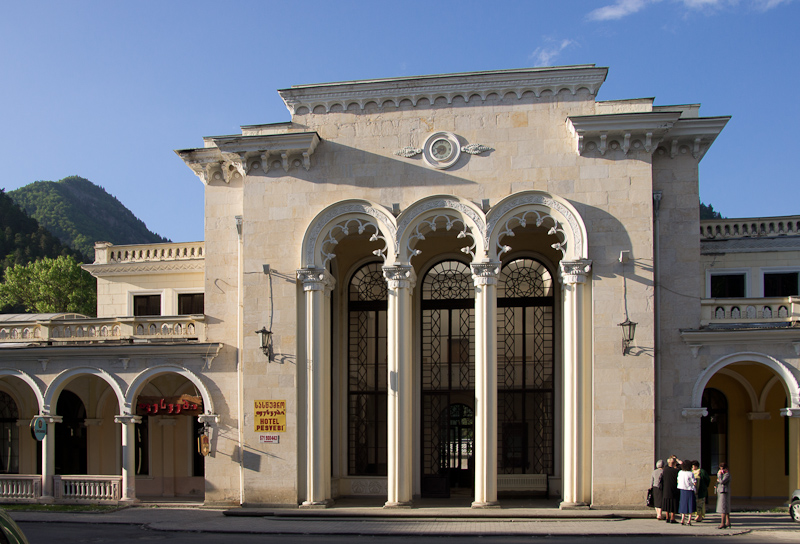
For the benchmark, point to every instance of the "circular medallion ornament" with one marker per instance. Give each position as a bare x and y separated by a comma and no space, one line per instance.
441,150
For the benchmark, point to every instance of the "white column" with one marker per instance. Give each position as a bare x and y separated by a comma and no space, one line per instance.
577,388
401,281
48,457
485,277
128,455
317,286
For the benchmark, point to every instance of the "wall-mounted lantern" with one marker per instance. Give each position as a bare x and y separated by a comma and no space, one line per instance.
266,341
628,333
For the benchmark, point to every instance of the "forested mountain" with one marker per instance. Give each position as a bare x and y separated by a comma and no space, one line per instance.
80,213
23,240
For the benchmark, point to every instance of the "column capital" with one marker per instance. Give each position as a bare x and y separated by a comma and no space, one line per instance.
316,279
485,273
575,271
51,418
756,416
127,419
400,277
208,418
694,412
790,412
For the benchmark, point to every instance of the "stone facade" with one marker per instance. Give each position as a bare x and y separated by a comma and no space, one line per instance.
442,264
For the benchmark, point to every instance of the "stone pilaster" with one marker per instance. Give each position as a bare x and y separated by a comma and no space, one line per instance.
577,387
128,455
485,277
317,287
401,281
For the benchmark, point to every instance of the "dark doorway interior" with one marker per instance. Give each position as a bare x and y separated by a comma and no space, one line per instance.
70,443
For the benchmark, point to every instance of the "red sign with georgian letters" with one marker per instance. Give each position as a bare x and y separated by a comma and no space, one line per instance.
186,405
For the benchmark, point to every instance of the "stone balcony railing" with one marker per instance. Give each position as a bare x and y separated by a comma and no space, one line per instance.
724,229
743,311
84,330
106,253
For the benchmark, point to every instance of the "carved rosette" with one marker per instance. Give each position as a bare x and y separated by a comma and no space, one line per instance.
485,273
316,280
400,277
573,272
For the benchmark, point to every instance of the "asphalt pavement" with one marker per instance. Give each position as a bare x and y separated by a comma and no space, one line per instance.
430,520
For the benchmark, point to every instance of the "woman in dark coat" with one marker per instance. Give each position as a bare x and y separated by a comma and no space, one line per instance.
671,495
724,496
655,484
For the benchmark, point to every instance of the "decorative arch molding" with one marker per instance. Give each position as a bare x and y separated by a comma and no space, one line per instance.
334,223
781,369
61,381
146,375
748,387
421,217
545,209
762,400
28,379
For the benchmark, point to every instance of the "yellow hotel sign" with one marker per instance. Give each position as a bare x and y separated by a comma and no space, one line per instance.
270,416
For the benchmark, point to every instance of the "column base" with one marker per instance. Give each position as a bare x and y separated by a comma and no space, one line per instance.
46,499
480,504
574,506
129,501
404,504
317,505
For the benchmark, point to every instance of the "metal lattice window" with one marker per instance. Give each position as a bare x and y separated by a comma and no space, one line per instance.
366,369
525,368
448,373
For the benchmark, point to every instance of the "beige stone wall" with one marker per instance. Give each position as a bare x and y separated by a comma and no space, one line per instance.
114,293
533,149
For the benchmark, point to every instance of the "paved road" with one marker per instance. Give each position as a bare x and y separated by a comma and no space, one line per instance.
201,525
88,533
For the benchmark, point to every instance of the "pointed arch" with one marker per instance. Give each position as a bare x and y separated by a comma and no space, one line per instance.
788,378
556,213
145,376
430,213
61,381
334,223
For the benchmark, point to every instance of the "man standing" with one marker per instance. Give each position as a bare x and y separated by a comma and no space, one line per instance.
703,480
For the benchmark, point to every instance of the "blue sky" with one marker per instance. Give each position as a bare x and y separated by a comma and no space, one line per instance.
107,90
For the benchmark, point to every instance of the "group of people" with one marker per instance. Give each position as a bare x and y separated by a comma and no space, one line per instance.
681,487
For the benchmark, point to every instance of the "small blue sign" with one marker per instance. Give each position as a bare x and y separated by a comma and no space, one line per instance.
39,428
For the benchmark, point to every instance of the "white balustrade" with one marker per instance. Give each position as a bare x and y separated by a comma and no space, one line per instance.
770,310
87,488
20,487
711,229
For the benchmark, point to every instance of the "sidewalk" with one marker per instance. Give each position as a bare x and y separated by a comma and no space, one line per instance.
358,519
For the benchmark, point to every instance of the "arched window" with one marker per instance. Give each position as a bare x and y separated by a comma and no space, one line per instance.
714,430
9,439
366,372
525,368
448,376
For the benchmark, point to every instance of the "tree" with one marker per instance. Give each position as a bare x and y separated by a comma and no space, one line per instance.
49,286
708,212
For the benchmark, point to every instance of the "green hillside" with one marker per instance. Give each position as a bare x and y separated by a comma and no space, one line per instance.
23,240
81,213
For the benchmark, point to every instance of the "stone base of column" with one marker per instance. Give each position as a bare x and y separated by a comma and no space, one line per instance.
129,501
46,499
492,504
574,506
317,505
389,504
